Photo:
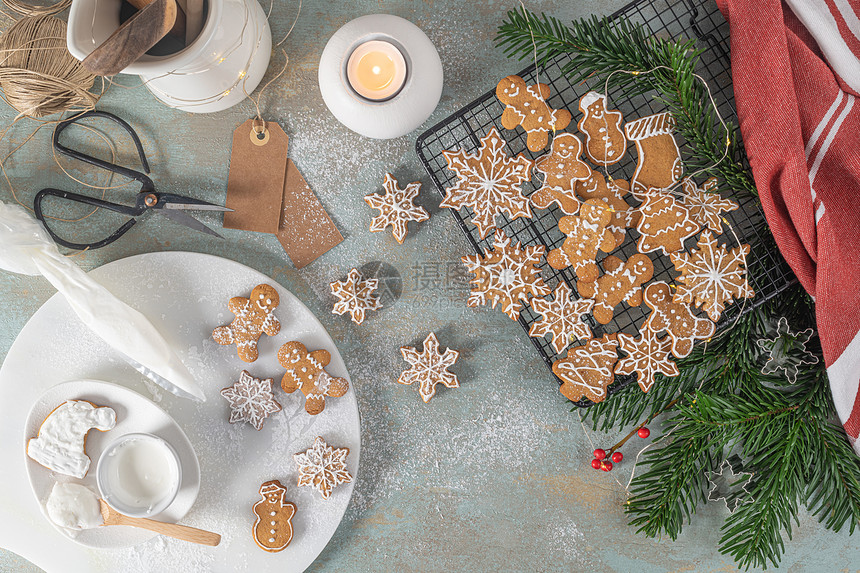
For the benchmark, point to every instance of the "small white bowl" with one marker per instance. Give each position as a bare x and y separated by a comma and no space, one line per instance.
139,474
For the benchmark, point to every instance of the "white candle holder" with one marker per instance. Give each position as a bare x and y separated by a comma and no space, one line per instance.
410,106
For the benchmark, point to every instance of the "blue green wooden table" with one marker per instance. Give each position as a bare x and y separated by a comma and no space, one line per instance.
493,476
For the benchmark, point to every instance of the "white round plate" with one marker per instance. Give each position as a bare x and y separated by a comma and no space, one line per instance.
134,413
185,295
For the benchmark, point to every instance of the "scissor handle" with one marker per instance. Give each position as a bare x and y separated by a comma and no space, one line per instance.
123,209
145,181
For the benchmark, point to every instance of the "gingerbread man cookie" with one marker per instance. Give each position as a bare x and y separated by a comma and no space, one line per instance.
306,372
561,168
254,317
527,106
676,319
659,164
665,224
612,193
586,234
273,529
587,369
621,281
605,143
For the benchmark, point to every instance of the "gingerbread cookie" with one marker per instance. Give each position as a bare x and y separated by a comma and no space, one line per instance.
506,275
562,318
665,224
706,206
605,143
561,168
60,445
489,183
659,164
254,317
306,372
322,467
396,208
612,193
527,106
621,281
355,296
712,276
586,234
251,400
587,369
429,367
676,319
646,356
273,529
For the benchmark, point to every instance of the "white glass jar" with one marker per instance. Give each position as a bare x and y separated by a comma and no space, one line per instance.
232,50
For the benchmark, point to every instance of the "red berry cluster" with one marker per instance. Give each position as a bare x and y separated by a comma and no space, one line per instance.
601,463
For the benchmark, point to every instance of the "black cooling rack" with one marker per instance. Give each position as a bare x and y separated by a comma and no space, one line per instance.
670,19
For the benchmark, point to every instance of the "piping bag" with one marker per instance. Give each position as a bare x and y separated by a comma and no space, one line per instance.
26,248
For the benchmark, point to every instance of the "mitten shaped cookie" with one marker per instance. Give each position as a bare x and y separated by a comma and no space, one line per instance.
561,168
527,106
659,164
586,371
586,234
254,317
621,281
605,143
306,372
676,319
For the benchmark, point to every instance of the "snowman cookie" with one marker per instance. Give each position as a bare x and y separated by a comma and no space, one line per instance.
254,317
605,143
273,529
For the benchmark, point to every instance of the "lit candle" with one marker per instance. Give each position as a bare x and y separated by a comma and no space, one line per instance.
376,70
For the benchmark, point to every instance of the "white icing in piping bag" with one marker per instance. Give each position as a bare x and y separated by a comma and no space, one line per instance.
25,248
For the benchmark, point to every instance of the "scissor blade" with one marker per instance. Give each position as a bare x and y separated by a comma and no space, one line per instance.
195,207
188,221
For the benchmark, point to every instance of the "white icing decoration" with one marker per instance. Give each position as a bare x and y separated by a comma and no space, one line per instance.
74,506
322,466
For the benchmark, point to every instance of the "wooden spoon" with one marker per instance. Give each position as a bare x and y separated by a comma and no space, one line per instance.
131,40
183,532
178,28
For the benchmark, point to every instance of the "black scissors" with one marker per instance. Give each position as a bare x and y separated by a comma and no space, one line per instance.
167,204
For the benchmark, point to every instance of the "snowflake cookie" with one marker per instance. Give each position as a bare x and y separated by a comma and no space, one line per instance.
646,356
273,528
251,400
787,352
306,372
323,467
712,275
396,208
587,369
355,296
254,317
676,319
489,183
562,318
706,205
507,274
429,367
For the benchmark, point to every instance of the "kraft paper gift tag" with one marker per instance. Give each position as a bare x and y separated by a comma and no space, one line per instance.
306,229
255,184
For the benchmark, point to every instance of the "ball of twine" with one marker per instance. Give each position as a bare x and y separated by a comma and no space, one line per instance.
33,10
38,75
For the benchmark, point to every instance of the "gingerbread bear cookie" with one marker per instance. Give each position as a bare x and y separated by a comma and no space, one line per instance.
306,372
254,317
273,529
621,281
646,357
605,143
612,193
586,371
676,319
561,168
659,164
527,106
665,224
586,234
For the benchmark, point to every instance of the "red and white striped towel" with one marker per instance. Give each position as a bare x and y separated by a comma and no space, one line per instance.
796,71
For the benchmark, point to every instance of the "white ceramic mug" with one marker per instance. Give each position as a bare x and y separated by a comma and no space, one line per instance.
232,51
